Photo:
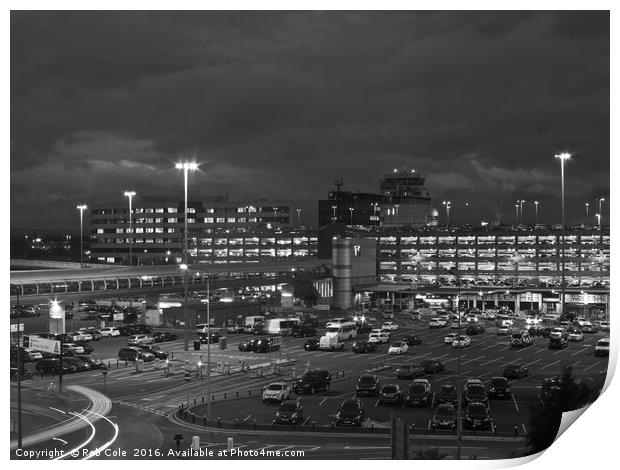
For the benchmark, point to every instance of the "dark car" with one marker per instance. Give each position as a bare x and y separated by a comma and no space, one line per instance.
546,332
474,329
247,344
215,337
558,342
515,371
499,388
93,362
477,416
444,417
420,393
26,374
155,350
448,394
94,333
80,365
475,392
88,349
367,385
351,411
52,366
409,371
589,328
234,329
289,412
303,330
364,329
412,340
133,354
163,336
363,347
390,393
312,381
139,329
550,386
268,344
432,366
312,344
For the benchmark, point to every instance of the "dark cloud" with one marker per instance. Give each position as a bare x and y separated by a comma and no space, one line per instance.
275,104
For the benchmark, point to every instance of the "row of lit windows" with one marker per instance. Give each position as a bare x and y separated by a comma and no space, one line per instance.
482,240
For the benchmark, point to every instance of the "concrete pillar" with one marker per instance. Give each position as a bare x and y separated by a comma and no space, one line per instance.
517,302
496,300
341,259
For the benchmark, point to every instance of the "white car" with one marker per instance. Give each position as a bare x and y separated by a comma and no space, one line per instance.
532,321
462,342
504,330
389,325
277,391
378,337
487,315
399,347
388,314
575,335
72,348
138,340
602,347
471,318
109,332
450,338
86,336
455,325
557,332
437,323
550,317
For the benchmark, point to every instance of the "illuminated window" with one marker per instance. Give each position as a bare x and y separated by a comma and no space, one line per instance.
210,210
159,230
208,220
191,220
172,210
139,230
148,240
159,210
149,221
120,230
241,209
191,210
172,230
220,220
149,230
159,220
357,250
172,220
99,230
159,240
231,220
148,210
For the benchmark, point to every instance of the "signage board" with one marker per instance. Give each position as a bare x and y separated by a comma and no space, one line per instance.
118,317
15,329
44,345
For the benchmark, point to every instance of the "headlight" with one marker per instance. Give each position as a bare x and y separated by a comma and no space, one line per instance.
294,415
358,417
277,414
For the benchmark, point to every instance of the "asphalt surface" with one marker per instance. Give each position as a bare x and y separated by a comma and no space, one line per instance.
144,403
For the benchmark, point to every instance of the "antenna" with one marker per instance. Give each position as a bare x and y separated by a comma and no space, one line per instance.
338,183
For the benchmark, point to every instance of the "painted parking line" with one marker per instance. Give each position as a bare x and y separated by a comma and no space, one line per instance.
323,401
590,367
533,362
489,347
246,418
514,401
473,360
540,350
492,360
340,355
549,365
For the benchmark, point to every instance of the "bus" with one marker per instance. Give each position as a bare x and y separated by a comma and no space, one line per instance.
342,331
280,326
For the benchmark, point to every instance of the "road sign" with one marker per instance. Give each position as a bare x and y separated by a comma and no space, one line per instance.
15,328
118,317
44,345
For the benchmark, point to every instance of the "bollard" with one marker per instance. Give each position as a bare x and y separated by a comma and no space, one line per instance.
254,423
194,402
237,394
412,426
125,362
172,355
313,425
273,424
237,423
108,364
204,420
212,397
224,396
219,421
494,429
516,430
117,363
249,392
193,418
203,399
332,425
372,427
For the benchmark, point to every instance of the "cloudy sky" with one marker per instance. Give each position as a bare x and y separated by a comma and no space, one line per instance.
276,105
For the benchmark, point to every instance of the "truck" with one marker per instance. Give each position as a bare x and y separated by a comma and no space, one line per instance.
252,323
330,343
268,344
280,326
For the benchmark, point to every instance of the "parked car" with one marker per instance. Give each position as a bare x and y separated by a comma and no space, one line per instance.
380,337
521,340
363,347
289,412
139,329
215,336
71,349
550,386
109,332
420,393
351,411
80,365
602,347
437,323
444,417
25,375
52,366
477,416
474,391
164,336
367,385
277,391
450,338
154,350
412,340
448,394
515,371
267,344
499,388
30,355
575,334
400,347
134,353
247,344
605,326
461,342
432,366
313,381
409,371
558,342
389,325
303,330
311,345
391,393
234,329
94,333
138,340
474,329
85,335
93,362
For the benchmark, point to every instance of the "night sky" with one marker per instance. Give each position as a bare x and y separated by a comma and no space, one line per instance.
276,105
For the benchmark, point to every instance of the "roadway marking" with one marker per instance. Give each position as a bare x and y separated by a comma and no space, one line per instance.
377,403
533,362
323,401
340,355
549,365
304,353
577,352
558,352
473,360
305,421
246,418
514,401
493,360
438,346
589,367
540,350
524,428
56,409
444,355
489,347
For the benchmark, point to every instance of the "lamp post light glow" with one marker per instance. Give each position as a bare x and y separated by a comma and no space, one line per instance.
447,204
521,210
298,217
536,212
598,218
275,214
82,208
334,216
351,209
186,167
600,207
587,211
517,212
130,195
563,157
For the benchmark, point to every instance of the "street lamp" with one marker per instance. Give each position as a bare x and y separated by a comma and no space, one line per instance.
517,212
447,204
536,211
275,214
563,157
81,208
598,218
600,206
298,217
334,216
396,206
130,195
521,209
351,209
186,167
587,211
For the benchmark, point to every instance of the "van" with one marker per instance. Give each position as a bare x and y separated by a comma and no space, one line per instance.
201,328
330,343
602,347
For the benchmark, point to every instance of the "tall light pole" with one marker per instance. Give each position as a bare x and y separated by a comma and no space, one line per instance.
81,208
447,204
521,209
334,216
536,211
563,157
298,217
208,351
396,206
600,206
275,214
598,218
186,167
517,212
351,209
130,195
587,211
